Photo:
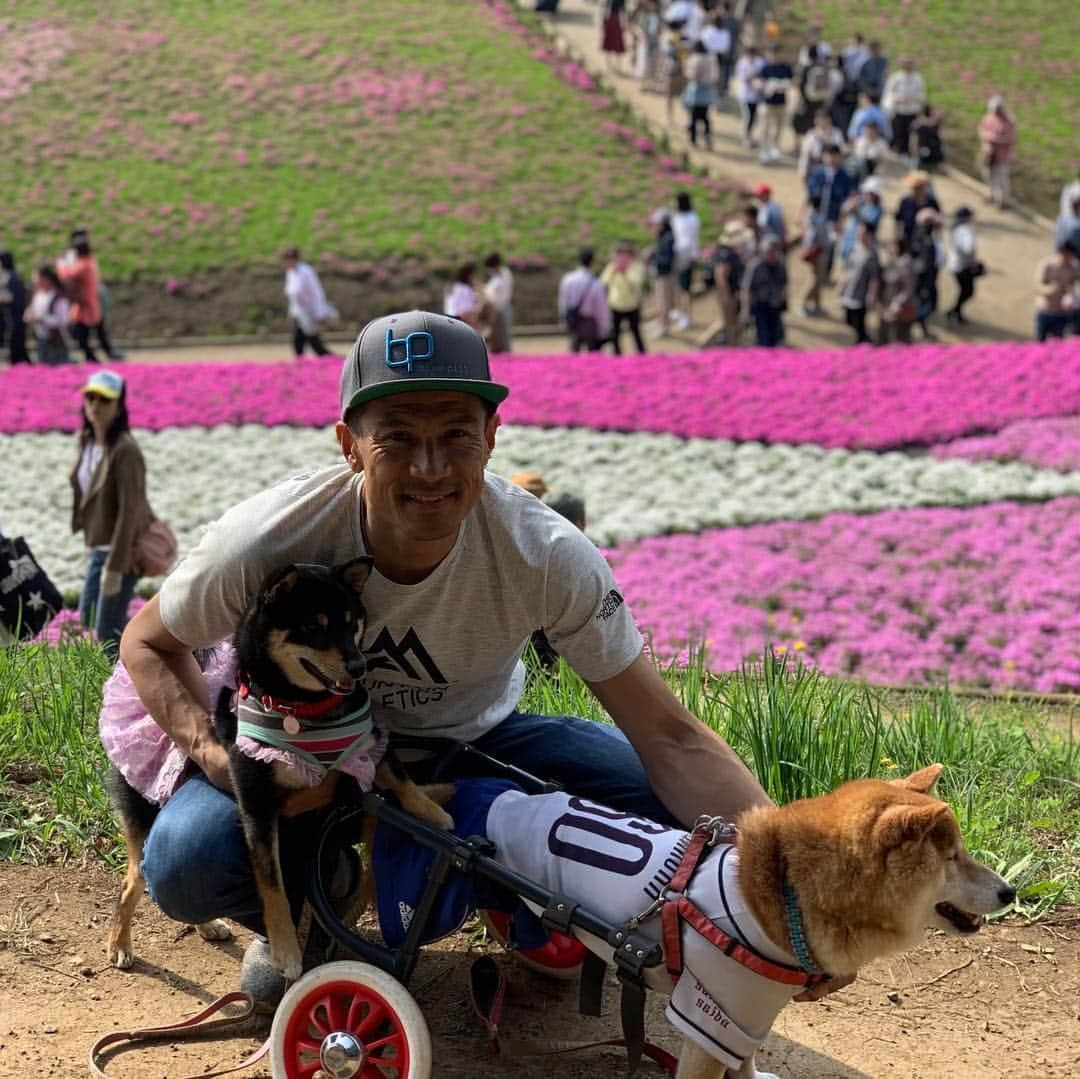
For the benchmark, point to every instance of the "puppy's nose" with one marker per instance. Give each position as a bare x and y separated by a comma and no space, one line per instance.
356,667
1006,894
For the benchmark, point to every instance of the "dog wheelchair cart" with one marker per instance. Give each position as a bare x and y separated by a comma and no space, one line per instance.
357,1018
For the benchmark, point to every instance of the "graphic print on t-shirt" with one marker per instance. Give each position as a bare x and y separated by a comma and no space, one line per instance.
407,657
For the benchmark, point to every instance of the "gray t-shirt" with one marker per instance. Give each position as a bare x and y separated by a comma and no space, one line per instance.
863,270
444,655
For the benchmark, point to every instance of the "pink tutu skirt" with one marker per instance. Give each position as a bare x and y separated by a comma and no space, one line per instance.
154,764
144,754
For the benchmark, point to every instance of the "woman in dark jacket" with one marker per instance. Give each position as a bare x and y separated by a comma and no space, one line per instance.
662,267
109,506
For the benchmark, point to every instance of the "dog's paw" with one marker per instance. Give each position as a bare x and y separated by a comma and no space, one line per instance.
749,1071
121,955
217,929
289,961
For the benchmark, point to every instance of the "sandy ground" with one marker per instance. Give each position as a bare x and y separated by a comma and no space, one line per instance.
1004,1003
276,351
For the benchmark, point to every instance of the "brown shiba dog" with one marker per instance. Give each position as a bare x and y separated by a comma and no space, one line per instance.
870,866
301,710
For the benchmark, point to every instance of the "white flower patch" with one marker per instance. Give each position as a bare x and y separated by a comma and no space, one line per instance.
638,485
192,476
634,485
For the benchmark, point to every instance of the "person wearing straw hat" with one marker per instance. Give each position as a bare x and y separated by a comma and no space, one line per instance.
109,506
465,566
530,481
920,195
727,267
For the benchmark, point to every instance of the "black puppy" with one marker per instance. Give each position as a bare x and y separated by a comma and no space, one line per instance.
301,710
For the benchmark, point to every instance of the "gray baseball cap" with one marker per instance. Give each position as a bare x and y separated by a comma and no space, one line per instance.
416,350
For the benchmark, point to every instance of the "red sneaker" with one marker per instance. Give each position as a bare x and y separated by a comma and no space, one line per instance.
560,957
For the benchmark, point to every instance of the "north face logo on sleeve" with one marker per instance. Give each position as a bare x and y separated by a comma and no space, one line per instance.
612,602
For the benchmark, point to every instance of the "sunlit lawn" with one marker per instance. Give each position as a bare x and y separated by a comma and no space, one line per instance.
192,137
968,50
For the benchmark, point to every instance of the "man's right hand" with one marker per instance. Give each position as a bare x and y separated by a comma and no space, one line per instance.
214,761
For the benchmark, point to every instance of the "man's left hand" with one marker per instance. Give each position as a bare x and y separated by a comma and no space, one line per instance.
111,582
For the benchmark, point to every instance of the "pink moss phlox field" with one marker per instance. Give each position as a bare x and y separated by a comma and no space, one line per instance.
857,398
67,626
29,51
1049,443
973,596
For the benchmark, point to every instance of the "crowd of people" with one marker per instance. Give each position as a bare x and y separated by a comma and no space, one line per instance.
839,111
64,310
846,110
745,268
700,54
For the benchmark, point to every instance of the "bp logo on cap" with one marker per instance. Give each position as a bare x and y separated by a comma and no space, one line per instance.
405,351
415,351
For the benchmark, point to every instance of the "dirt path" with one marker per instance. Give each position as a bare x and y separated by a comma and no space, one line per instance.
280,351
1010,244
1002,1004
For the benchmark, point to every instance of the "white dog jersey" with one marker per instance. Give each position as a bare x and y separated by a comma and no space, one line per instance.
616,865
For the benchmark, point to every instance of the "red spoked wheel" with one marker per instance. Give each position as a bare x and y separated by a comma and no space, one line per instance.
348,1019
561,957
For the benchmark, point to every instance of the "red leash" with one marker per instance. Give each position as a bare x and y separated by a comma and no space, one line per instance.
194,1025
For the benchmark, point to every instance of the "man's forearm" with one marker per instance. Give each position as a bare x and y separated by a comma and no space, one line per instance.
172,688
690,767
697,772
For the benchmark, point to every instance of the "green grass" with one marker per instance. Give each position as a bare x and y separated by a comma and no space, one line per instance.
1013,779
197,137
968,50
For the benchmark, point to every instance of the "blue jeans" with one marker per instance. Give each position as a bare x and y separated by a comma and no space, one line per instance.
768,324
105,615
1047,325
196,863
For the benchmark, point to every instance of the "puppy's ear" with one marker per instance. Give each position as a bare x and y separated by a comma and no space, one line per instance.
899,824
922,782
281,584
355,572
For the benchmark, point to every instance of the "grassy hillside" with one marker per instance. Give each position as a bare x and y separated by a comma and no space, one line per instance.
387,139
968,50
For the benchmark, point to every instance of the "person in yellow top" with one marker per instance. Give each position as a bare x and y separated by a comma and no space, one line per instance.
625,280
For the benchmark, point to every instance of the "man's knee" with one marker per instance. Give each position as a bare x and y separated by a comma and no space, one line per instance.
196,871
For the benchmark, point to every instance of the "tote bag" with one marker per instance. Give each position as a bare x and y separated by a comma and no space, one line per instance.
155,550
28,599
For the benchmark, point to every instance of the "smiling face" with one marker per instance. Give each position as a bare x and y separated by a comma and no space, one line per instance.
423,456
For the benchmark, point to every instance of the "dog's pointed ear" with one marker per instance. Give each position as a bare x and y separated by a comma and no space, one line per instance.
281,583
355,572
899,824
922,782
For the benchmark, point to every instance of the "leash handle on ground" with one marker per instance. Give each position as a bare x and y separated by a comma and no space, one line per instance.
195,1025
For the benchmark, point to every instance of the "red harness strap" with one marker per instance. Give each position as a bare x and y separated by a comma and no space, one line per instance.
303,709
679,908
